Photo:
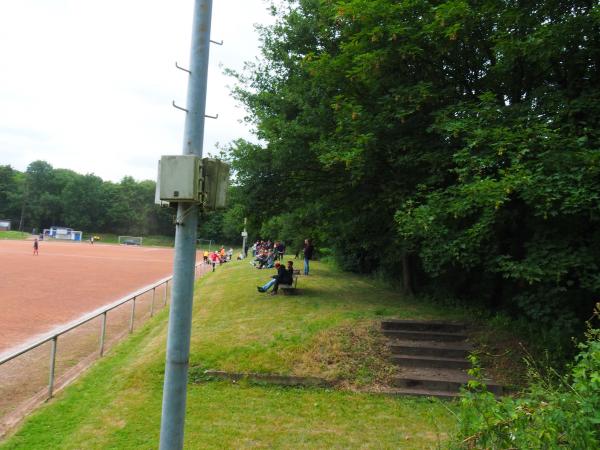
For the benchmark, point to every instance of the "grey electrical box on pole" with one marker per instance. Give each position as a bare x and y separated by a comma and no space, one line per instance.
179,179
187,178
187,195
215,180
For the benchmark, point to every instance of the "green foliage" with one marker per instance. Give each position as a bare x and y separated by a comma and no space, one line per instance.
452,145
84,202
11,188
43,197
211,225
17,235
555,412
233,223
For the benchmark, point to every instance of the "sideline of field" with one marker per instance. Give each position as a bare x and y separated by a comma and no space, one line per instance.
104,238
16,235
117,404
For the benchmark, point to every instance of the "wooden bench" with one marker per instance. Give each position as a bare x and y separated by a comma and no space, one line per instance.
290,289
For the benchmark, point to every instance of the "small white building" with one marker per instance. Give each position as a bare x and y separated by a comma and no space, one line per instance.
63,233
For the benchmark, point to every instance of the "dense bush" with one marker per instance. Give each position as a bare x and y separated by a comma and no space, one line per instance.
554,412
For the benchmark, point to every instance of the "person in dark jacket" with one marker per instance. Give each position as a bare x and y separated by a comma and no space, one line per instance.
280,248
308,254
284,276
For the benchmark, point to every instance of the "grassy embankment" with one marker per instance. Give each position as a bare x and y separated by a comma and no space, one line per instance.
13,235
326,331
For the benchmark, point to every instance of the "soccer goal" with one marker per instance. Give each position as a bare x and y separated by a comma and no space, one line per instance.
209,241
130,240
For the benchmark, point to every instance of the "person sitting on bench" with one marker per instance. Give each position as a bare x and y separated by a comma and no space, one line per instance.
284,276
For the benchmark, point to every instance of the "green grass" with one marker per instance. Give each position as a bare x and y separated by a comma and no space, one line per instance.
150,241
117,404
13,235
247,331
159,241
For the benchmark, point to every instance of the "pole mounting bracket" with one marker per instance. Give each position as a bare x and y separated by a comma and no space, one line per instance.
182,68
179,107
180,219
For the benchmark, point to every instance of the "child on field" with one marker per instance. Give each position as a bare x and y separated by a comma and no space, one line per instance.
214,257
36,246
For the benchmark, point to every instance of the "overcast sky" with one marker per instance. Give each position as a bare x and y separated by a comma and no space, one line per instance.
88,85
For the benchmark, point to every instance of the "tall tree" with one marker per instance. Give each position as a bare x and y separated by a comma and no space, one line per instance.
41,205
85,202
453,144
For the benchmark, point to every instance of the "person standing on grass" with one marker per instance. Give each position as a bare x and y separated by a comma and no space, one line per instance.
36,246
214,257
308,254
280,247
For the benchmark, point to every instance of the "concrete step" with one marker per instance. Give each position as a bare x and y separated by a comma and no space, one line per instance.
422,325
430,361
422,393
437,384
425,335
431,348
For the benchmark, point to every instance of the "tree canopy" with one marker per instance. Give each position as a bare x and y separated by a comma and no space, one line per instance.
43,196
451,145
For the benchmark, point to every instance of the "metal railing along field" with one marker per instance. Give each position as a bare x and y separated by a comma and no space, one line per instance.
28,378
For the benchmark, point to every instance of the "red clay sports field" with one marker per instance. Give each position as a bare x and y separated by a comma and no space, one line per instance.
67,280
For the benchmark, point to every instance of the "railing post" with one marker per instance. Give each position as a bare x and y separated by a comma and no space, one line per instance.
52,367
103,333
152,303
103,342
132,316
166,289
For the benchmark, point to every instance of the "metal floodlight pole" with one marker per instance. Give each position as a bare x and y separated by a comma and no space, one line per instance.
182,290
244,236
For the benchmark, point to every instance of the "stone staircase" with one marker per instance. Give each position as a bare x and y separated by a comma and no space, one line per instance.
431,357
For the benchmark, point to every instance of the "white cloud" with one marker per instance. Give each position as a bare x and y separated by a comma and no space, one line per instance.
88,85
